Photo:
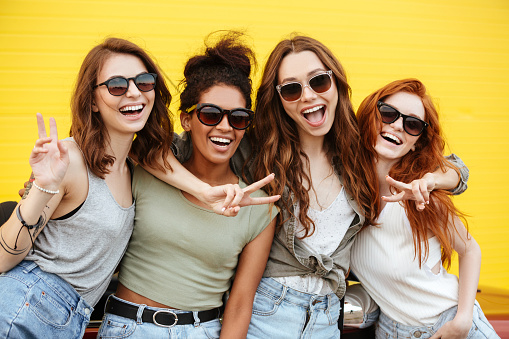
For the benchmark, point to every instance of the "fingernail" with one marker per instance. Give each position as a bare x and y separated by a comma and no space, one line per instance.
223,209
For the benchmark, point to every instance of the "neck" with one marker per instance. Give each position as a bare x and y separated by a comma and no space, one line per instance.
312,145
119,147
383,168
212,174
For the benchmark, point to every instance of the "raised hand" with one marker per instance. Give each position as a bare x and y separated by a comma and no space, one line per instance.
228,199
417,190
49,158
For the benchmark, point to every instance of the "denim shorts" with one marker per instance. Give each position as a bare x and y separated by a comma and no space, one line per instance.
114,326
37,304
282,312
481,328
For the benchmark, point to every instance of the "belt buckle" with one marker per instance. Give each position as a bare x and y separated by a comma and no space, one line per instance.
165,311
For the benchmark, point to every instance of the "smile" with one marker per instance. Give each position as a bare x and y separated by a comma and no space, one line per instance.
222,142
314,115
134,109
391,138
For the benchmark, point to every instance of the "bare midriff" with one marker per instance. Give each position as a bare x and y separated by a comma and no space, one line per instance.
128,295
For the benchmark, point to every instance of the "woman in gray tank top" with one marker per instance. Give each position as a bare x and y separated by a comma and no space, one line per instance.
68,233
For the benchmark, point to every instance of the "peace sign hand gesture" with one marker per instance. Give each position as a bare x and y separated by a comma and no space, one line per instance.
49,158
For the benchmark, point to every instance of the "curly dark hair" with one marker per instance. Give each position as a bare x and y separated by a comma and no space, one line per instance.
228,61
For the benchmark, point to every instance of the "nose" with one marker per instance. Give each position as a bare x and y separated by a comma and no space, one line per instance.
307,93
398,124
224,124
132,90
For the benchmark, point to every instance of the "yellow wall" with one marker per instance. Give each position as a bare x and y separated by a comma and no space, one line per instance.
459,48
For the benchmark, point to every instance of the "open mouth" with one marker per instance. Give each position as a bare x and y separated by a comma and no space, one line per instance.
131,110
314,114
222,142
391,138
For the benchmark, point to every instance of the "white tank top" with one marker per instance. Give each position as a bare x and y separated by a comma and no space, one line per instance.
382,257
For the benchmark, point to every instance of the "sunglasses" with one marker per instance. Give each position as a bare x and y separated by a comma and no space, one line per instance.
211,115
412,125
119,85
292,91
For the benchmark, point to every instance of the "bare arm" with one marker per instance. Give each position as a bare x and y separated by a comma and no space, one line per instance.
253,259
420,189
49,161
469,255
224,199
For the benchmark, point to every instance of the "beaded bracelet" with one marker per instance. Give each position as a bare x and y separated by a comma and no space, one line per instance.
45,190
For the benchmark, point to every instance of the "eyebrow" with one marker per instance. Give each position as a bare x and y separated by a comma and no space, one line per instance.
309,74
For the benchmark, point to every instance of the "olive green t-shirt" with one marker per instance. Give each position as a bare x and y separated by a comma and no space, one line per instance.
183,255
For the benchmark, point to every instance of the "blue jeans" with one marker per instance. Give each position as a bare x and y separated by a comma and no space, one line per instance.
388,328
114,326
37,304
282,312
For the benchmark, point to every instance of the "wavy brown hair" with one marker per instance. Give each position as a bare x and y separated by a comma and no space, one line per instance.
427,157
88,128
277,148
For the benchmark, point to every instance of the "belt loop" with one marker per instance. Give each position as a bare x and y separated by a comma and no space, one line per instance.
29,266
196,319
328,296
283,295
139,314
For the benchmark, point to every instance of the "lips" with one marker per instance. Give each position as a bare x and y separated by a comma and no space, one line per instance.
222,142
391,138
131,109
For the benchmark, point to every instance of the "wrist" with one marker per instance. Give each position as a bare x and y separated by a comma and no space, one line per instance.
46,189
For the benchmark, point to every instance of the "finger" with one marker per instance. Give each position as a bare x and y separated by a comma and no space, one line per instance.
420,206
394,197
21,192
397,184
64,152
425,192
239,194
416,191
259,184
264,200
53,129
231,211
40,126
230,194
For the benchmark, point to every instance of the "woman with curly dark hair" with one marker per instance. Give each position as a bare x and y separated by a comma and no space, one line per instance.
182,257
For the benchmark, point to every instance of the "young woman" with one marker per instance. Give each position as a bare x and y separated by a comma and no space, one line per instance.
401,260
182,257
79,213
305,131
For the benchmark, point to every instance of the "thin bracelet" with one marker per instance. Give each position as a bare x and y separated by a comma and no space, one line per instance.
45,190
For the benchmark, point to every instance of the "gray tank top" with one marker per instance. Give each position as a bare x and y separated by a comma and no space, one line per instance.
85,248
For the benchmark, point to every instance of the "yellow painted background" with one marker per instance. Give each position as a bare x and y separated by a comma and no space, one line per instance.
458,48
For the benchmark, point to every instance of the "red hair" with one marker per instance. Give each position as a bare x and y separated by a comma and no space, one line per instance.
427,157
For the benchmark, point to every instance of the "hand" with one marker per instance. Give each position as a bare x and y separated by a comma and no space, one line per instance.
21,192
49,158
417,190
454,329
228,199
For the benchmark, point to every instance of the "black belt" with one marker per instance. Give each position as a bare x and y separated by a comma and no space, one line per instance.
163,317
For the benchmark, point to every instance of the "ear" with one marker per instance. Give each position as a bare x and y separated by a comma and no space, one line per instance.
185,121
95,109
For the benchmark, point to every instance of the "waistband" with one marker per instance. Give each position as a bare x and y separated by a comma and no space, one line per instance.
285,293
164,317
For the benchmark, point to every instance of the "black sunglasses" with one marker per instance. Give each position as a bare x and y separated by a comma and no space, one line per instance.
119,85
292,91
211,115
412,125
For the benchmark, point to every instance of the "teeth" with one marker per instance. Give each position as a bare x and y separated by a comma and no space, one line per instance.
221,140
392,137
311,110
131,108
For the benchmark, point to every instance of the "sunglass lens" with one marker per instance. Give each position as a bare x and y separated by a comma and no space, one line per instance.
145,82
388,113
210,115
291,92
413,126
240,119
320,83
117,86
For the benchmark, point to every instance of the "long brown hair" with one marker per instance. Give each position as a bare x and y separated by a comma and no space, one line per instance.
427,157
88,128
277,148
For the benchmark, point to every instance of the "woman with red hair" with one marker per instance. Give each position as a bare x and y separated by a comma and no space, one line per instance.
400,260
